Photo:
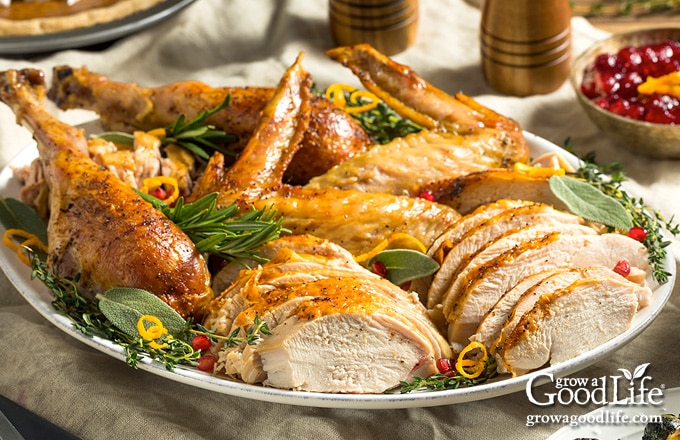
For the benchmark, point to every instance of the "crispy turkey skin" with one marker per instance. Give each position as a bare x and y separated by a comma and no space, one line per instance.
98,226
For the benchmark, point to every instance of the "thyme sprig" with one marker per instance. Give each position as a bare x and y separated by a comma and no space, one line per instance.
251,334
90,321
196,135
440,382
608,179
219,231
384,124
381,123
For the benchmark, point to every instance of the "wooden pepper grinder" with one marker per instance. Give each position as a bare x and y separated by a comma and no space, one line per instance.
526,45
388,25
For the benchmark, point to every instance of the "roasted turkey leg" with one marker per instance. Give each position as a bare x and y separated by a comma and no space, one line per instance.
99,227
354,219
332,135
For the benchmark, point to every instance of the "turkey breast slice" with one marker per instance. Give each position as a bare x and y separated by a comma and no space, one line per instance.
474,240
568,322
304,244
343,353
551,251
470,268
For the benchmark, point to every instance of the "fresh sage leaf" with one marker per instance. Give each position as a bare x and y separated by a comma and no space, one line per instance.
15,214
405,264
123,306
590,203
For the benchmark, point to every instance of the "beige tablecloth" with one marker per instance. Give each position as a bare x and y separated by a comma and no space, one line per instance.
245,42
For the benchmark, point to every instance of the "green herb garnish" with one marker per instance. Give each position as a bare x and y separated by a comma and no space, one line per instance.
590,203
625,7
608,180
15,214
196,135
403,265
384,124
440,382
124,306
381,123
115,317
217,231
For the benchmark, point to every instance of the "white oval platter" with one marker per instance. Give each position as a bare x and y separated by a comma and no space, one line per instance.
40,298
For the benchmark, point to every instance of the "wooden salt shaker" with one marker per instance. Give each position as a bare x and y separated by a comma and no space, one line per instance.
388,25
526,45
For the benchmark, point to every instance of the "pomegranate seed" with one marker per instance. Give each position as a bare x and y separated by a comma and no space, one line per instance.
206,362
379,268
160,193
201,342
622,268
427,195
637,233
444,365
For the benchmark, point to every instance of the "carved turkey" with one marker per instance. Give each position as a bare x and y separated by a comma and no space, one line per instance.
335,327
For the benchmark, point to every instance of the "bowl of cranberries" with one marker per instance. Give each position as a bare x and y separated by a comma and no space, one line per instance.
629,85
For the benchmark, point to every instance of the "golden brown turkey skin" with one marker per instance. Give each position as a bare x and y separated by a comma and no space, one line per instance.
331,137
99,227
416,99
356,220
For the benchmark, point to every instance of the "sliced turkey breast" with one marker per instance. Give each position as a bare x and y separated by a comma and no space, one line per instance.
335,326
476,239
476,266
497,276
492,323
303,243
470,221
456,231
502,318
568,322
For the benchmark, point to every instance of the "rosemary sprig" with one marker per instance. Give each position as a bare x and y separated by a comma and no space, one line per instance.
196,135
608,179
217,231
440,382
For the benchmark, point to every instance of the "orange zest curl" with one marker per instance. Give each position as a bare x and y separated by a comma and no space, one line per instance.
336,93
28,241
154,331
472,368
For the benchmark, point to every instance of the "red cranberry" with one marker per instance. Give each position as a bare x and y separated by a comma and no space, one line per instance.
201,342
